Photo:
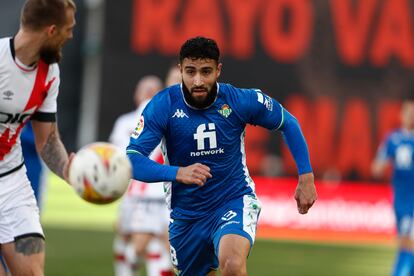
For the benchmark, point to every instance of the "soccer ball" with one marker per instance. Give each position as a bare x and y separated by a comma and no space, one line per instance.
100,173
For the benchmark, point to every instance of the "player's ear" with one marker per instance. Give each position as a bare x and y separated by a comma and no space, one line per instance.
219,66
180,67
51,30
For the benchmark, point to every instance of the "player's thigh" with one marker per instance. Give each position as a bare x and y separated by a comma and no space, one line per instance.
25,256
238,218
233,251
2,268
191,247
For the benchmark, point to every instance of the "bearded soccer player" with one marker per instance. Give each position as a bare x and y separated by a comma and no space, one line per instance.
201,124
29,84
397,151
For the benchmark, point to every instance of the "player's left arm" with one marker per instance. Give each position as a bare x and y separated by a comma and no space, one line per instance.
50,147
267,112
305,194
382,159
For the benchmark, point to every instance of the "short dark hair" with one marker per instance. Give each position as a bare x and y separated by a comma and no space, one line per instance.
200,47
37,14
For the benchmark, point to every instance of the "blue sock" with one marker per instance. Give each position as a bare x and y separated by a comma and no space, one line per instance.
403,263
412,264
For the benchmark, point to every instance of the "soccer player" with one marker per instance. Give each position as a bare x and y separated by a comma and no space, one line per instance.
142,226
29,82
397,151
201,123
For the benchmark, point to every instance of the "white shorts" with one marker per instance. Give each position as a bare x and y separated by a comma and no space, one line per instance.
19,214
143,215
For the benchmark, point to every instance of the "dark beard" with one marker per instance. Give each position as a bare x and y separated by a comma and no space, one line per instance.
209,100
50,56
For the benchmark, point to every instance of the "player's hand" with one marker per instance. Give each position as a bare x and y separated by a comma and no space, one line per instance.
305,194
67,166
194,174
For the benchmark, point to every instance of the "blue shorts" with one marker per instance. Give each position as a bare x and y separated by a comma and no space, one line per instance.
195,243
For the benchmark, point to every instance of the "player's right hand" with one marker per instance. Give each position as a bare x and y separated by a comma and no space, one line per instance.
194,174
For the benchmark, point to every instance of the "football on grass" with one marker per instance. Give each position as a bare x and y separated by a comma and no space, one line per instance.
100,173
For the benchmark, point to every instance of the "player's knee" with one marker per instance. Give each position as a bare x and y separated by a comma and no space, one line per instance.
233,266
406,243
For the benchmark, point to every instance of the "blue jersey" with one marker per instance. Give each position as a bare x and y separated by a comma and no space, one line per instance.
213,136
399,149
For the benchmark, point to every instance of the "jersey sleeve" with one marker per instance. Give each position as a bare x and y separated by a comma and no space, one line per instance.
262,110
384,152
145,138
151,127
257,108
47,111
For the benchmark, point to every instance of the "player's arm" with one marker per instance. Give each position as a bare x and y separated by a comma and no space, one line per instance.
305,194
264,111
50,147
381,161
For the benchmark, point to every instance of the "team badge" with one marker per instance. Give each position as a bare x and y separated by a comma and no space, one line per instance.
225,110
137,131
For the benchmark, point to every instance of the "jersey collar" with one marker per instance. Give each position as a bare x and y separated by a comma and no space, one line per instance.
18,63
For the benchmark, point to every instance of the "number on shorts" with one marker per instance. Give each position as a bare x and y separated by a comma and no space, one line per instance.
173,253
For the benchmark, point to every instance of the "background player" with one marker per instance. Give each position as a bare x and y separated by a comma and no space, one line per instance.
397,151
35,170
143,215
201,124
30,75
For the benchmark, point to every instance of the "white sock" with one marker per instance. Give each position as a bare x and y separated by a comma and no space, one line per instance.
125,263
158,261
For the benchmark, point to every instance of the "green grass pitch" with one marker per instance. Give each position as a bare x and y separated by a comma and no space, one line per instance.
79,242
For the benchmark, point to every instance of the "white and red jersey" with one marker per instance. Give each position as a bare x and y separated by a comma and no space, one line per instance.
120,135
24,92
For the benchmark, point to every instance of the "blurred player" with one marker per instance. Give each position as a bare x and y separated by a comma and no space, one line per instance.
397,151
33,163
143,215
29,84
201,123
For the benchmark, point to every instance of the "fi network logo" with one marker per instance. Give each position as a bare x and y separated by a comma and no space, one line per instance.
206,132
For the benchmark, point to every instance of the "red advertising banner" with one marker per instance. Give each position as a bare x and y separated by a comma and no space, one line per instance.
344,212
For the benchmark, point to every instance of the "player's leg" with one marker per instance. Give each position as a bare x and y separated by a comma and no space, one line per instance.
235,234
158,260
233,252
191,248
2,265
140,242
122,264
25,256
404,262
21,235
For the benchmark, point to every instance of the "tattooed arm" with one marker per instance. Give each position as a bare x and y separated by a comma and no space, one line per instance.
50,147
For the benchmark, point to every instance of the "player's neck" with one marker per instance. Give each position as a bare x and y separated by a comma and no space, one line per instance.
27,46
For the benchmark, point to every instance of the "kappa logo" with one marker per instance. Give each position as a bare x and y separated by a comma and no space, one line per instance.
179,113
7,95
